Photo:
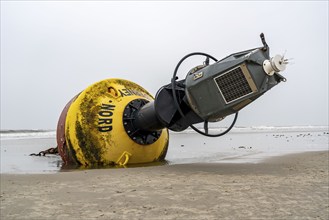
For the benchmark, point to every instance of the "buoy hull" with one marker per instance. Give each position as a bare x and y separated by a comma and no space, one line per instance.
91,132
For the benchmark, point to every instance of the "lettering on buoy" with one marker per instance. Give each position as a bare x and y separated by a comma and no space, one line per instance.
129,92
105,117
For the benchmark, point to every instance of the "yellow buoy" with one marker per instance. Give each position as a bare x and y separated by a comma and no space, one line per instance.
117,122
97,127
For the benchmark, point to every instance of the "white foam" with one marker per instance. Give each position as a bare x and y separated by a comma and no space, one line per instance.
264,129
30,134
27,134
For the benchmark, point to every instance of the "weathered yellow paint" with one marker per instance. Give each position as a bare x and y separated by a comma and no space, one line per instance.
95,133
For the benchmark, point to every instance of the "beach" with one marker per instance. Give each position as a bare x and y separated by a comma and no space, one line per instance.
242,180
285,187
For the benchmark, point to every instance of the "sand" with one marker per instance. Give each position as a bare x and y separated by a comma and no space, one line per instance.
286,187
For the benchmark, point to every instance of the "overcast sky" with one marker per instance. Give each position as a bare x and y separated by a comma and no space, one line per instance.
52,50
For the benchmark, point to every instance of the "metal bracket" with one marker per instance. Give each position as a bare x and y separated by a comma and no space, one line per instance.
262,37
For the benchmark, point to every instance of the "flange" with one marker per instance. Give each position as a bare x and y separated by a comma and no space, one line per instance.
135,133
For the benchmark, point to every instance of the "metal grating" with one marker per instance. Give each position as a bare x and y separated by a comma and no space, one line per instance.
233,85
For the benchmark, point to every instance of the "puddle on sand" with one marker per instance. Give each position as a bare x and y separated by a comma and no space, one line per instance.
235,147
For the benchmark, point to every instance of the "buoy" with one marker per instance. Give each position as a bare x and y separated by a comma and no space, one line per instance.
117,122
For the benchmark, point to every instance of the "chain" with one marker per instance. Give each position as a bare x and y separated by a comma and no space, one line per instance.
52,150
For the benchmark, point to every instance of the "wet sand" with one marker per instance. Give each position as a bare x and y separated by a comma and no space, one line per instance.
246,145
293,186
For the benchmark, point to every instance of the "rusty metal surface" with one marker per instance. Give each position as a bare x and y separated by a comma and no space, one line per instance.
60,134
